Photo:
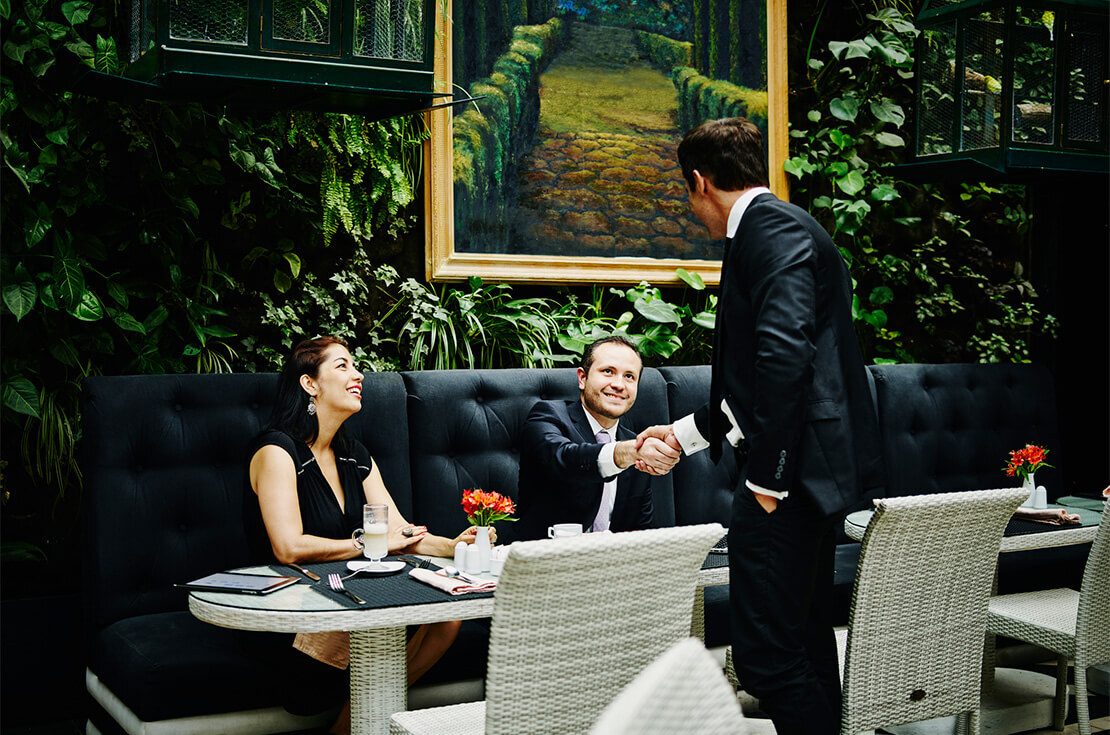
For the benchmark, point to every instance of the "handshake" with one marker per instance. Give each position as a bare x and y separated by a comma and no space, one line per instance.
655,451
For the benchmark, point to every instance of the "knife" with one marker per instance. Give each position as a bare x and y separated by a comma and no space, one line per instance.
306,572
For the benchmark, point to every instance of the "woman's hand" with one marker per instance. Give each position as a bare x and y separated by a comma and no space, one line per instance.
400,539
471,533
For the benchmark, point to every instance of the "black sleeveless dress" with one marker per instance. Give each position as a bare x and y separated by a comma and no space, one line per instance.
309,686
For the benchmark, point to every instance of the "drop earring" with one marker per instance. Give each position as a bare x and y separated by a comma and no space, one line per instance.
311,406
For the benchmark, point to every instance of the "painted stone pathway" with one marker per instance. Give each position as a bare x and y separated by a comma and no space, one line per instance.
603,178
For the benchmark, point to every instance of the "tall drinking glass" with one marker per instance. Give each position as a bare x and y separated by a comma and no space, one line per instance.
375,532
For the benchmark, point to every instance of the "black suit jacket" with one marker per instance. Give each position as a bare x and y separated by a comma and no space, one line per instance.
787,360
559,481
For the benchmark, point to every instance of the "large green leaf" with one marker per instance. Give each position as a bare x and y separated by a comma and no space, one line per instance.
851,184
89,309
657,311
20,298
77,11
65,353
888,111
890,140
881,295
884,193
21,396
126,322
844,108
693,280
69,279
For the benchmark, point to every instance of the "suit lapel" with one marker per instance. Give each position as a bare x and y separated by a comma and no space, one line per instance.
578,417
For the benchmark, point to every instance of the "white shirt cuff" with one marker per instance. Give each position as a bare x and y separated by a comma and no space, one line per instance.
765,491
686,431
605,464
734,435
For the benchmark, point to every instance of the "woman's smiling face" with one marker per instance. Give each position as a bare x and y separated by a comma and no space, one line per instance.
337,386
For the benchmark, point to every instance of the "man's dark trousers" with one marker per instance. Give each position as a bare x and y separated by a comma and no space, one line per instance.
784,650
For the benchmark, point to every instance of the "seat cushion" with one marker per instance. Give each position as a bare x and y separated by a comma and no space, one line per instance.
169,665
457,719
1045,618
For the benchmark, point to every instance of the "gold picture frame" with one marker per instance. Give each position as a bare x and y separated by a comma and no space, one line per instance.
443,263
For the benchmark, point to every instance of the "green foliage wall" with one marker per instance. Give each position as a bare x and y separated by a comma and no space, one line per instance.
701,98
663,52
484,28
490,136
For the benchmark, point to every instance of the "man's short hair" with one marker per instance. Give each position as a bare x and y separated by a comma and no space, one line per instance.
728,152
614,339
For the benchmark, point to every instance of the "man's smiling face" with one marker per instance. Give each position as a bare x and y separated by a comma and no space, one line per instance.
609,389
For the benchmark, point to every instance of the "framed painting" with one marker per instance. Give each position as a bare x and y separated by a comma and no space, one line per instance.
565,169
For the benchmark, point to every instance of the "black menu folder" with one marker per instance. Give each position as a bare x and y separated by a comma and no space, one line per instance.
248,584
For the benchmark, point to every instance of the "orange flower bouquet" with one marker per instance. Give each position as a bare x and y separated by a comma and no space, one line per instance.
1024,462
486,508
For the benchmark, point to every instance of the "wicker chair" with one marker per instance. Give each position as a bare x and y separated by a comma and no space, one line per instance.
919,608
574,621
1067,623
683,691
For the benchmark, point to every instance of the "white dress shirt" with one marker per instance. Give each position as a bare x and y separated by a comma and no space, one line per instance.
606,467
685,429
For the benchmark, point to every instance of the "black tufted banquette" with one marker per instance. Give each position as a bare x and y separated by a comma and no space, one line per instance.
164,460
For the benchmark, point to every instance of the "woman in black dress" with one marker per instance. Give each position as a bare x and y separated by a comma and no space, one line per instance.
311,482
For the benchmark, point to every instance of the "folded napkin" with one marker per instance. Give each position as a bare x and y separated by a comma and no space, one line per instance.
1052,516
451,585
333,649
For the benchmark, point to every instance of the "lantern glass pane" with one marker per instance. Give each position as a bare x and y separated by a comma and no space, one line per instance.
306,21
390,29
1034,119
1086,86
214,21
982,81
141,38
936,105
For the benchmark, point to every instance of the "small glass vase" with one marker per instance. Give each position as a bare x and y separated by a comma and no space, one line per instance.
481,542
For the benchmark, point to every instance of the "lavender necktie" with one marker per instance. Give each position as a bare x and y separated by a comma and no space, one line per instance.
608,492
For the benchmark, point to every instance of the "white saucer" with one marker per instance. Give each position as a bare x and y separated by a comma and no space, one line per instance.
369,567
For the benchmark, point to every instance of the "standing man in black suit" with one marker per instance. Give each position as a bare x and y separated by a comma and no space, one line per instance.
574,454
790,395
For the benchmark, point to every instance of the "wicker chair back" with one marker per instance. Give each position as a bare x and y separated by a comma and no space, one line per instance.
576,619
1092,627
919,608
681,691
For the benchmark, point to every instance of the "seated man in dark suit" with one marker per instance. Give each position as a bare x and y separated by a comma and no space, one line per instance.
575,455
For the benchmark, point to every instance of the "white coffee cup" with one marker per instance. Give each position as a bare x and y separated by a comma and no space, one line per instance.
561,530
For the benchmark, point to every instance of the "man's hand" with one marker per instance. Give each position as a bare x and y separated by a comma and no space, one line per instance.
652,455
663,432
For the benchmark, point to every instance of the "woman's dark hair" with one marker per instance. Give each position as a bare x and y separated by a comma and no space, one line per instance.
290,412
728,152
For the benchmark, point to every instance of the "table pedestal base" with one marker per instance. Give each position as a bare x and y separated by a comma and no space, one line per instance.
1019,701
378,674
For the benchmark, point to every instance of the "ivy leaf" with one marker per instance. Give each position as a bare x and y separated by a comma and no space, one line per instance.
89,309
77,11
889,112
844,108
21,396
841,139
5,9
20,297
837,48
857,50
155,318
118,294
884,193
890,140
15,51
876,318
294,262
814,116
126,322
851,184
657,311
705,319
837,168
798,166
693,280
881,295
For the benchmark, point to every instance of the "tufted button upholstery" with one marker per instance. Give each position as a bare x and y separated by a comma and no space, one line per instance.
464,426
703,490
950,427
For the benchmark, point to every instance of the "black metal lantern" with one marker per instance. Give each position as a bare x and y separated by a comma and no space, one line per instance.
1006,87
370,56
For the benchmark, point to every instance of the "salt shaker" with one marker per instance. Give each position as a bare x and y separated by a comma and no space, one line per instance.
1041,501
460,555
473,563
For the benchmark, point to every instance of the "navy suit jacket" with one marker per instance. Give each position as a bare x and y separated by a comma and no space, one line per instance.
787,360
559,480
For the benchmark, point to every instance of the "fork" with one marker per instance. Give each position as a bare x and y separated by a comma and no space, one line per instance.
337,586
